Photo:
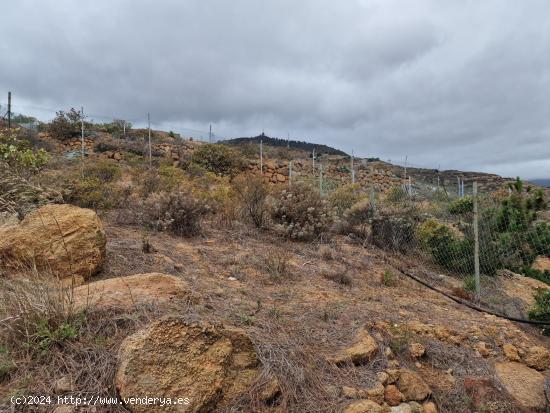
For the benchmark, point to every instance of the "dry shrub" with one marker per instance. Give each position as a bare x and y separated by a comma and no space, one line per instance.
344,197
36,314
300,213
179,212
252,191
43,339
19,195
276,264
339,277
326,252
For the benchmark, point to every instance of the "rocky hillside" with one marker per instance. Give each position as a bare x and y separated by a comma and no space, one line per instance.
202,281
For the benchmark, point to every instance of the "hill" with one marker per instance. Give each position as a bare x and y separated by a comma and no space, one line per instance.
283,143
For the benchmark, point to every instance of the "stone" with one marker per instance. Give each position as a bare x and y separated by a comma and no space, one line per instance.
417,350
271,390
382,377
393,375
412,386
542,263
63,385
482,348
376,393
429,407
130,291
402,408
538,358
510,352
61,240
524,385
360,352
349,392
65,409
363,406
210,365
392,395
416,407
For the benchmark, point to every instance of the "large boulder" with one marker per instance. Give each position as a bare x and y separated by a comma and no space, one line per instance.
130,291
63,240
524,385
206,365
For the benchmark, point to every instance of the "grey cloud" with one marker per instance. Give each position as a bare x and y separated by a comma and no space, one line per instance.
461,84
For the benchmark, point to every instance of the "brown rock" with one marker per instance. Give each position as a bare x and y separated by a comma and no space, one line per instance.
392,395
280,177
429,407
376,393
171,358
510,352
364,406
62,239
542,263
127,292
412,386
349,392
523,384
361,351
538,358
417,350
271,390
382,377
393,375
63,385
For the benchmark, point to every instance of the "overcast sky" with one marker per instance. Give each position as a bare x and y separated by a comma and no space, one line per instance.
461,84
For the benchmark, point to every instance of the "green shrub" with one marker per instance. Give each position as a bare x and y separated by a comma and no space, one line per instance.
217,158
103,169
541,308
18,154
300,213
462,206
344,197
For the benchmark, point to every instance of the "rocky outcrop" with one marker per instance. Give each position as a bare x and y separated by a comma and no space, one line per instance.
206,365
127,292
63,240
524,385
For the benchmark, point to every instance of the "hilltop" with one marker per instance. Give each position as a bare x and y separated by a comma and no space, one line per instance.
286,143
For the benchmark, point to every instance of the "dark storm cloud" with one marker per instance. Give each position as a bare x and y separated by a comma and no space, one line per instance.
463,84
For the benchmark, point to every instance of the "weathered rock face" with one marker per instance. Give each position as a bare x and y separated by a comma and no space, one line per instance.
363,348
127,292
524,385
62,239
208,365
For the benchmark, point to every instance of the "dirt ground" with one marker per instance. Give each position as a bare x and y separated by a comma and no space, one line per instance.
300,302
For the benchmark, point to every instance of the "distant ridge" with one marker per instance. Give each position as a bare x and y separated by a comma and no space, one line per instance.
306,146
542,182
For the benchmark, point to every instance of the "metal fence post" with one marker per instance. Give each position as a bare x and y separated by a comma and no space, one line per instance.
476,241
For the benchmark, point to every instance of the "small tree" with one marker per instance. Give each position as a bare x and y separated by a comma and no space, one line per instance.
65,125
